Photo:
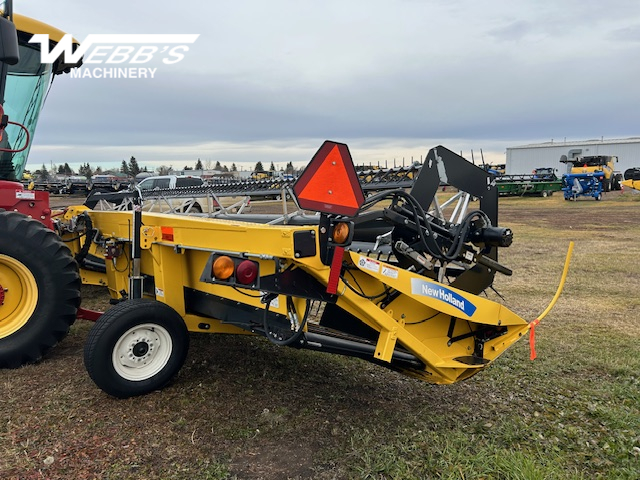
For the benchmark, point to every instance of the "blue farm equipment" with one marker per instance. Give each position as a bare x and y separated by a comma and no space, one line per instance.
582,184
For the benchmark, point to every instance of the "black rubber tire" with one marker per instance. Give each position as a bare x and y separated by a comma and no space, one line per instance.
30,244
109,332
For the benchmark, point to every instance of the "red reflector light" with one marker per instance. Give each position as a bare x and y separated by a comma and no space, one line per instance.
330,184
246,272
167,233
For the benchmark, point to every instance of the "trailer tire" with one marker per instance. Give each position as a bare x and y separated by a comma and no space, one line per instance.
40,290
545,194
136,347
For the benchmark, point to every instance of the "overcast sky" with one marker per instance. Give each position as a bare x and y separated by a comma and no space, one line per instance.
270,80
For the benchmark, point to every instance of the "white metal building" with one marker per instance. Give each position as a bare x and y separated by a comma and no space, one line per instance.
523,159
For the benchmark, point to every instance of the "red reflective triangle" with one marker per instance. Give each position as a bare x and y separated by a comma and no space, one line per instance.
330,184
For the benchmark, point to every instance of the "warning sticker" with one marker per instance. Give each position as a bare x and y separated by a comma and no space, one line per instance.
25,195
369,264
390,272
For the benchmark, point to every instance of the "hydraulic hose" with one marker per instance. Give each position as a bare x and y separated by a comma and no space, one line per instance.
534,323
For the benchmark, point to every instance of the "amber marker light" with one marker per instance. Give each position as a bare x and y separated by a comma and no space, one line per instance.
340,233
222,267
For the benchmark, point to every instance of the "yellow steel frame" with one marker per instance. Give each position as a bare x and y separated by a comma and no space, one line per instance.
423,317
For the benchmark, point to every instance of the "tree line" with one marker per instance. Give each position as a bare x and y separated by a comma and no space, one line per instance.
132,168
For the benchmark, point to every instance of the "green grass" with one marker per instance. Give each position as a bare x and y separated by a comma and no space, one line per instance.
243,408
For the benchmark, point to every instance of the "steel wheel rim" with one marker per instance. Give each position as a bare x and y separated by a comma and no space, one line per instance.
142,352
20,295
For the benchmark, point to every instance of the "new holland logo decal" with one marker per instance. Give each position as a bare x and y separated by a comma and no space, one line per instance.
428,289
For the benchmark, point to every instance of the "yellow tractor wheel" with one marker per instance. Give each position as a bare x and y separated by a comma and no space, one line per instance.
39,290
18,295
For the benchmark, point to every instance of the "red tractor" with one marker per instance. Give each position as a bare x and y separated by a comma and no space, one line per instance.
39,280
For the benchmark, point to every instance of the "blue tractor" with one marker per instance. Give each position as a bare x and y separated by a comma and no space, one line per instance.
589,184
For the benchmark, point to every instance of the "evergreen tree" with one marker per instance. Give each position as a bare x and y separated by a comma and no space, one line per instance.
124,168
198,165
218,167
272,168
85,170
289,168
234,168
43,173
259,167
134,168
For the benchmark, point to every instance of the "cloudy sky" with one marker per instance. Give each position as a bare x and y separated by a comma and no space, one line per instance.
270,80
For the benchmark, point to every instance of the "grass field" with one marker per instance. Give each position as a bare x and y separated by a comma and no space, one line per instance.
244,408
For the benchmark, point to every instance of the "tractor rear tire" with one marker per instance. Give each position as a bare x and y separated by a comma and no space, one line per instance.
136,347
39,290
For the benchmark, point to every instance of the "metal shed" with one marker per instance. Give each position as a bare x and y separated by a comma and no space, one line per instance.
523,159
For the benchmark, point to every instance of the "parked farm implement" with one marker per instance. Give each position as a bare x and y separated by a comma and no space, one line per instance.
582,185
521,185
394,277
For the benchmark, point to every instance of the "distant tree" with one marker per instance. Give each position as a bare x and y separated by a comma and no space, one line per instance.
85,170
272,168
98,170
225,168
259,167
134,168
234,168
218,167
199,165
43,173
61,169
289,169
164,170
124,168
187,167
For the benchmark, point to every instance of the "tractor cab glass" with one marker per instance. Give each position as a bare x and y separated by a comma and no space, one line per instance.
25,91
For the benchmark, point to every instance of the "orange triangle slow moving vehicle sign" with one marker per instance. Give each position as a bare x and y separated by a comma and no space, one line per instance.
330,184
